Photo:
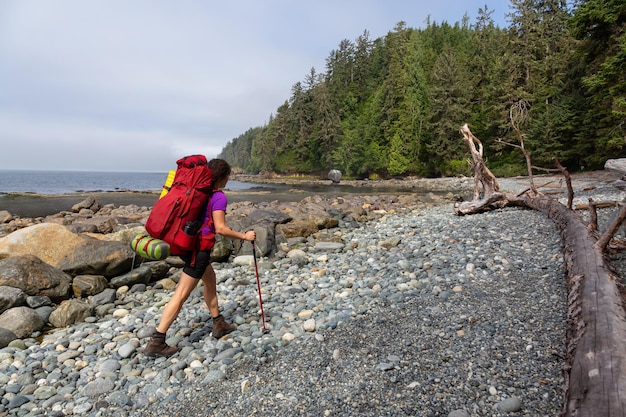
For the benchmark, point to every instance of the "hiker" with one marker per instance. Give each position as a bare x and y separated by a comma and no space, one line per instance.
201,269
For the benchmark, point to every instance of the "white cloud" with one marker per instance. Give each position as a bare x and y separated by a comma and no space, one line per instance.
135,84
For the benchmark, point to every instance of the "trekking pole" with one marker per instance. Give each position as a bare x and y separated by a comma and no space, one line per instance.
258,283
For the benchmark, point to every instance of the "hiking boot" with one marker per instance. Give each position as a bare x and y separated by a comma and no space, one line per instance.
157,347
221,327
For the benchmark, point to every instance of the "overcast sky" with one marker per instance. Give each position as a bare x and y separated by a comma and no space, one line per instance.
118,85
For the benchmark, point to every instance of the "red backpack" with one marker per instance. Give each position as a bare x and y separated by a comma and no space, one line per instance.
178,216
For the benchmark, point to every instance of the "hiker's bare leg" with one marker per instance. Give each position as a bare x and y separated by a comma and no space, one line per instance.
210,291
186,285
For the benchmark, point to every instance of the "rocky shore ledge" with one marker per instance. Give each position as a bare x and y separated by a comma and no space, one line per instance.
377,305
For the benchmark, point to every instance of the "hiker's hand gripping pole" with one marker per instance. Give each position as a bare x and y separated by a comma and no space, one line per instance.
258,283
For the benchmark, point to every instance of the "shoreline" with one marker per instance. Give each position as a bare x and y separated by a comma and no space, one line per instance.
29,205
33,205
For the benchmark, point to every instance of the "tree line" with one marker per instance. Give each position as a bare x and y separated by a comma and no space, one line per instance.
393,106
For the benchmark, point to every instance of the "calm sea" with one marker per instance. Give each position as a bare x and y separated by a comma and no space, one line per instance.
40,193
63,182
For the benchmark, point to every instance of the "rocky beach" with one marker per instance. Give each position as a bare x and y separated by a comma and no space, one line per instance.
390,306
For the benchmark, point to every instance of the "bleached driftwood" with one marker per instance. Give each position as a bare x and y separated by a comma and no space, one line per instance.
595,366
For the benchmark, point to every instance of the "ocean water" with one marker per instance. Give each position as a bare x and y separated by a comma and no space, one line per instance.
65,182
41,193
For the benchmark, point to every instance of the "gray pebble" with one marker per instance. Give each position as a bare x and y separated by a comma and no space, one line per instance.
127,350
384,366
509,405
98,387
18,401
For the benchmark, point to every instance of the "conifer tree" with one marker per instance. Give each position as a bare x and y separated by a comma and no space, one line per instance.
542,45
601,26
393,105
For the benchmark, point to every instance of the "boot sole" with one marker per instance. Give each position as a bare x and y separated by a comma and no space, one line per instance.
222,334
162,355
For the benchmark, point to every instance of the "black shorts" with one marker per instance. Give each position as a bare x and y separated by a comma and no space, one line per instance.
202,261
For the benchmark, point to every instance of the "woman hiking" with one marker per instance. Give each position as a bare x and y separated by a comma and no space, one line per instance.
201,268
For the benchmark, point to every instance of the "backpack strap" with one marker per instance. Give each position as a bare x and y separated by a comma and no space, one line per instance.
208,222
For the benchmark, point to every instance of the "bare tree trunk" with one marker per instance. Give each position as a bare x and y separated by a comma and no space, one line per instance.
491,197
482,174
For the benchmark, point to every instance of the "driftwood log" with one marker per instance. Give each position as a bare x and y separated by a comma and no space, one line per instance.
595,366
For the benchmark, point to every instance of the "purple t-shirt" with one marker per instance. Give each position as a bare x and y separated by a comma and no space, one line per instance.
218,201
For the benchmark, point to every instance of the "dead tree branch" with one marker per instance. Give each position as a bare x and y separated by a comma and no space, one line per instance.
593,216
568,181
518,115
612,229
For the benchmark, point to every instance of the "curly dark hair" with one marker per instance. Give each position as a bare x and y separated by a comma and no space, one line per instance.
220,168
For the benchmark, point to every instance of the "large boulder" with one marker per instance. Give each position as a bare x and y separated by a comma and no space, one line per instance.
334,175
22,321
616,165
265,222
98,257
265,240
48,241
36,301
35,277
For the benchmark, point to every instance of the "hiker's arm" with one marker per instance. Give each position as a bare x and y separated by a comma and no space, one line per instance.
221,228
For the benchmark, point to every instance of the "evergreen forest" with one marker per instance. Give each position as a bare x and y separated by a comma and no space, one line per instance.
393,106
